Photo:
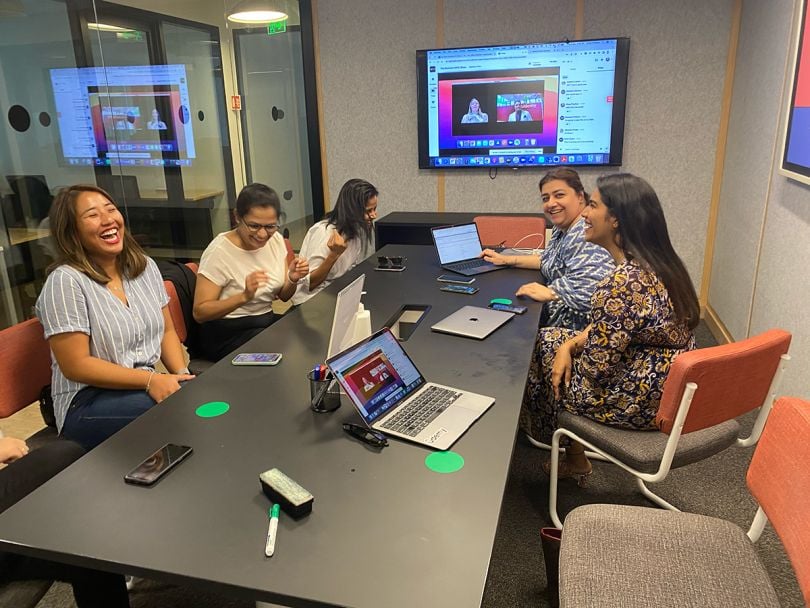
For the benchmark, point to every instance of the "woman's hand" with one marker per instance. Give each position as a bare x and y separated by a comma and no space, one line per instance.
336,244
12,449
492,256
253,282
299,268
561,369
163,385
537,292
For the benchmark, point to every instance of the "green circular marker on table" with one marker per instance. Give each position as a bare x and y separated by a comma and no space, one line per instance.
212,409
444,462
504,301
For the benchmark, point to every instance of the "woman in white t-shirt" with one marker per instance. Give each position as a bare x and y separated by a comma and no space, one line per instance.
341,240
241,272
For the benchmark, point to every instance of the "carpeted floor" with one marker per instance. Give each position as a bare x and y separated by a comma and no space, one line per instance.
517,576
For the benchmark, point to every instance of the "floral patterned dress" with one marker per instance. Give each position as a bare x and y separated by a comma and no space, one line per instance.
619,376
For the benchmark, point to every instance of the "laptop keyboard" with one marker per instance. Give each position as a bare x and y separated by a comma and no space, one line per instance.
469,265
411,419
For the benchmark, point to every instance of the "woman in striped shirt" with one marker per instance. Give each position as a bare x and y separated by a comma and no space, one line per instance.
105,314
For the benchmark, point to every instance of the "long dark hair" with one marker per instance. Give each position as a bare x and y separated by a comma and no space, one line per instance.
63,221
349,215
644,237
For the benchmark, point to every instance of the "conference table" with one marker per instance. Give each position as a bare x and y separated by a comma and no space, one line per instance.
384,530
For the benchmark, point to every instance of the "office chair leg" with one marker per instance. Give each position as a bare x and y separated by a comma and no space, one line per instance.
653,497
544,446
553,479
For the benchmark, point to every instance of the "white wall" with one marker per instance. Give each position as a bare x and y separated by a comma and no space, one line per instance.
677,68
759,266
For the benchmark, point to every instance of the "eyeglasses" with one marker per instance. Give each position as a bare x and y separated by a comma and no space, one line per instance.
268,228
394,261
366,435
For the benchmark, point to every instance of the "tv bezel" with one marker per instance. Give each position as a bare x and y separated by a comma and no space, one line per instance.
794,171
621,74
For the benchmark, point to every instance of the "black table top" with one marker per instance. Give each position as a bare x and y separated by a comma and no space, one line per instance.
384,530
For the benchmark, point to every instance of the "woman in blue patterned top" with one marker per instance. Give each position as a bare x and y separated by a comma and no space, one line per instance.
571,267
105,314
642,317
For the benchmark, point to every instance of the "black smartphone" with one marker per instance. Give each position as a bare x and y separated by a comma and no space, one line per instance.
518,310
456,279
466,289
158,464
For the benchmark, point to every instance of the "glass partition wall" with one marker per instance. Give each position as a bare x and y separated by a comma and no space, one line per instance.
138,97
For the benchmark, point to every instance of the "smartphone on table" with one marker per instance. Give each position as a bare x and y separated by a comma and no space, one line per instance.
518,310
465,289
158,464
256,359
456,279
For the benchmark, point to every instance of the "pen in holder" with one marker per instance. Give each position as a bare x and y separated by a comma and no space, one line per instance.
324,393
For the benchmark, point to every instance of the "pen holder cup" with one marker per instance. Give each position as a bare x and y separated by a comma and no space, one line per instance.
324,394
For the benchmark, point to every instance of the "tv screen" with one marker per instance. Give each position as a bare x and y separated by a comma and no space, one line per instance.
796,154
124,115
522,105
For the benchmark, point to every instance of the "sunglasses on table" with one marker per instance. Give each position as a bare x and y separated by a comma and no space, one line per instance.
394,261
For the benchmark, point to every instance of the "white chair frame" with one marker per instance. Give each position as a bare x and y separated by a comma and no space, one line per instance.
669,451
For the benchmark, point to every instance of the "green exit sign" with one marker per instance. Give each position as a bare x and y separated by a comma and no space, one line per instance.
277,27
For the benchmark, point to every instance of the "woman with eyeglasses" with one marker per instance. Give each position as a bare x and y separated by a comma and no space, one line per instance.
341,240
241,272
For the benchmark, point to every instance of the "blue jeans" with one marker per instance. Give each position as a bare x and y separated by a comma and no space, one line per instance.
98,413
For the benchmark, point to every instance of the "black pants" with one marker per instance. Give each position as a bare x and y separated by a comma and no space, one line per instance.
91,588
222,336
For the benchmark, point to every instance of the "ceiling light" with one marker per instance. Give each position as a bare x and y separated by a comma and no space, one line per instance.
103,27
257,11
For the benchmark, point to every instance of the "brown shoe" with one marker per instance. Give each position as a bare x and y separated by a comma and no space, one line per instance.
566,470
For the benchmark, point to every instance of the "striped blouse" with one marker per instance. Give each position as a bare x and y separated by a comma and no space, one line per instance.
129,336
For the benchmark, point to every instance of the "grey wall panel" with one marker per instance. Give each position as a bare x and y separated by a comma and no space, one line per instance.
678,56
479,22
759,75
368,78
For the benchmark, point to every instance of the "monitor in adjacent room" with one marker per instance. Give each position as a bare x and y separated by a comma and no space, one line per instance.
796,151
522,105
124,115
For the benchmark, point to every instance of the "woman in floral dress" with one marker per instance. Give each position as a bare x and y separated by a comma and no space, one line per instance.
642,317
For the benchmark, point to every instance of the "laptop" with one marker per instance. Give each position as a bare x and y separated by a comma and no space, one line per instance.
472,322
459,248
393,397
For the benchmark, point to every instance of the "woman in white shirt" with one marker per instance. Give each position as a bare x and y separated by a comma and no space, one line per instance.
241,272
341,240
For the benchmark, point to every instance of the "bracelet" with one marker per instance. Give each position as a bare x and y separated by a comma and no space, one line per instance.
148,382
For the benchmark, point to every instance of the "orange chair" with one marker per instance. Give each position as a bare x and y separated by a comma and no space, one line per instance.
683,559
527,231
24,354
182,325
733,379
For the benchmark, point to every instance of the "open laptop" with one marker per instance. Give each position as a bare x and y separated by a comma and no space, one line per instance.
459,248
472,322
393,397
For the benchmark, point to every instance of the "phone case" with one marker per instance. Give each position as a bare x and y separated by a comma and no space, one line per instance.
256,359
455,281
134,478
465,289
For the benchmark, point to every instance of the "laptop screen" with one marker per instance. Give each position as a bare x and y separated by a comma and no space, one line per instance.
457,243
376,373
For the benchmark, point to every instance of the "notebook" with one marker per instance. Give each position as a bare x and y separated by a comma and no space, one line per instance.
392,395
472,322
459,248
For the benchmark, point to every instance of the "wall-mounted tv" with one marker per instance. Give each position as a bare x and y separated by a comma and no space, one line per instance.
796,147
522,105
137,115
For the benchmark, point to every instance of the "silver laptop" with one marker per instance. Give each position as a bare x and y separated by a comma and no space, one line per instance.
459,248
393,397
472,322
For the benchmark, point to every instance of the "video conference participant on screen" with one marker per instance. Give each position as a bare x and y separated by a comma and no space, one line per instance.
341,240
241,272
105,313
474,113
156,124
519,115
25,473
642,317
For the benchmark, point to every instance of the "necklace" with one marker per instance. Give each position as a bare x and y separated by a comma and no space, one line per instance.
115,287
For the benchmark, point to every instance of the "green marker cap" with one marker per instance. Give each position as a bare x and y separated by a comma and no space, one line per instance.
275,510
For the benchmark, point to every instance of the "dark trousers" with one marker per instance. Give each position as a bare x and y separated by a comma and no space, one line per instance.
98,413
92,589
223,336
